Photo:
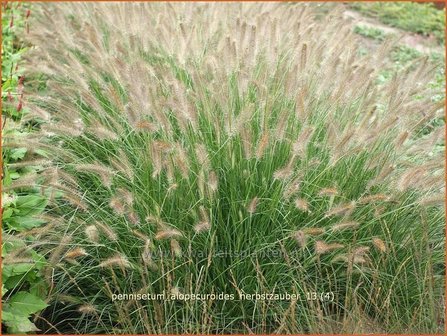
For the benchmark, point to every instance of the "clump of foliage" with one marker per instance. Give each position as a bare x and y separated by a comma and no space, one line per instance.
24,288
421,18
370,32
14,18
227,148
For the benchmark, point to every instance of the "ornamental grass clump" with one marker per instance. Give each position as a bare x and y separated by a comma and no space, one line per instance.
232,148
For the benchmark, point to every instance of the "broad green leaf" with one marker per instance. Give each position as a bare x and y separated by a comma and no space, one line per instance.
9,246
39,288
19,153
6,177
17,324
7,213
6,85
16,269
15,282
31,204
19,223
28,201
39,259
14,175
23,303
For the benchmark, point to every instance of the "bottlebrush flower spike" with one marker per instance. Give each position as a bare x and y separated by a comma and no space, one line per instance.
202,226
168,233
302,204
379,244
76,253
251,208
345,226
300,238
87,309
92,233
328,192
117,260
175,248
314,231
321,247
342,209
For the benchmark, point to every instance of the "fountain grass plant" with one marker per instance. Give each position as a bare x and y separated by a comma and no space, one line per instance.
238,149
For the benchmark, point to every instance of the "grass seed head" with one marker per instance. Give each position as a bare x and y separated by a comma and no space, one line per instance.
212,181
117,205
118,260
321,247
292,188
146,255
175,248
122,164
345,226
433,200
103,133
328,192
202,156
361,250
107,231
202,226
341,210
302,204
300,146
300,238
75,253
283,173
373,198
105,173
314,231
87,309
132,216
251,208
263,142
379,244
92,233
168,233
